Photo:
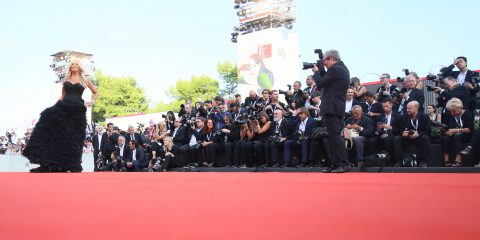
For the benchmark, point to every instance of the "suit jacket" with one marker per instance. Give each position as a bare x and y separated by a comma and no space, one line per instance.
138,138
95,143
181,137
296,96
283,128
126,152
415,95
395,122
295,124
249,102
468,78
335,84
423,128
460,92
466,120
139,155
366,123
108,143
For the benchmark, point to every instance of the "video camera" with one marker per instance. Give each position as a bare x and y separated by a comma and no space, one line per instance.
285,92
402,79
307,65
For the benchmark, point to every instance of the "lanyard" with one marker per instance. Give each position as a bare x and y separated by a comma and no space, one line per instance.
209,136
459,121
415,125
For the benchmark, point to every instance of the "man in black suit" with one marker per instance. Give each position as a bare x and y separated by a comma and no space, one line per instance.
363,125
335,83
410,94
279,129
464,77
300,122
387,126
107,145
296,95
251,101
97,145
132,135
373,108
195,151
123,153
137,159
350,102
454,90
180,135
387,90
415,130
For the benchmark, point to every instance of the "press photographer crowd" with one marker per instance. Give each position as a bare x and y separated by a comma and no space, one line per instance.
379,127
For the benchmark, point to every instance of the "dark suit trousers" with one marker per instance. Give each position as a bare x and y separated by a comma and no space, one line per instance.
273,150
399,142
287,151
359,146
316,146
95,158
339,155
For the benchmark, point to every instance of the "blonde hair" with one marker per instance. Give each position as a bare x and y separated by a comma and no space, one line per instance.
80,66
454,102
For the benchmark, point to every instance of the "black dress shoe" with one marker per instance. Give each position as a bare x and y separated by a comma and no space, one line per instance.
466,150
275,165
284,165
302,165
341,169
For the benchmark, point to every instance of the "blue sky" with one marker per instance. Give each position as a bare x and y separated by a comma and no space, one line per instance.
159,42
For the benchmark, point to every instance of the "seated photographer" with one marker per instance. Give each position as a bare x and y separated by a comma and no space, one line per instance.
410,94
211,143
169,120
314,108
136,161
251,101
265,98
234,111
464,76
200,110
122,153
364,127
132,135
460,126
218,114
117,164
373,107
195,150
230,136
387,126
387,90
473,147
453,90
317,145
309,90
180,135
274,105
301,125
296,95
262,132
169,154
275,144
161,133
415,131
358,90
243,149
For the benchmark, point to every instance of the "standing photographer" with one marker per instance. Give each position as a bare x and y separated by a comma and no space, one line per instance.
387,90
453,90
230,136
410,94
335,84
274,105
295,96
464,76
262,132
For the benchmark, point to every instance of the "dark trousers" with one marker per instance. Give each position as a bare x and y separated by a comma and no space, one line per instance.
337,144
273,150
400,142
195,155
359,147
183,153
211,153
289,145
171,162
475,144
456,141
116,167
95,158
259,153
229,148
243,153
376,144
315,151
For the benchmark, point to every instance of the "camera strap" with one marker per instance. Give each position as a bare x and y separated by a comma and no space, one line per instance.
459,121
415,125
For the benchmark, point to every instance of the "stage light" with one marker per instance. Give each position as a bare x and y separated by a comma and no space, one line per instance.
236,7
234,37
288,25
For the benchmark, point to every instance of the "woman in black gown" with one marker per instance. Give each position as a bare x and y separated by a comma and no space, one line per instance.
56,141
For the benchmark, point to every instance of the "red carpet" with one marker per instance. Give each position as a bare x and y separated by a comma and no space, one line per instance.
239,206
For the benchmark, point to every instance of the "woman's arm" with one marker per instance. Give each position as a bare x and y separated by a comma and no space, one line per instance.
265,127
360,91
94,91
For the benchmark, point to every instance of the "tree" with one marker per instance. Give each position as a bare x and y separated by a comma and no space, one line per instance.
228,73
118,96
197,88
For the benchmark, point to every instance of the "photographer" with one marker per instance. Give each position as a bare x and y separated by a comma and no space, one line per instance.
195,149
314,108
410,94
373,108
364,127
137,159
295,96
169,154
180,139
350,102
264,100
274,146
309,90
230,136
262,133
460,127
200,110
358,90
387,90
107,145
132,135
236,115
122,153
464,77
453,90
243,149
169,120
117,164
211,143
301,125
157,142
251,101
274,105
97,145
335,84
387,126
416,131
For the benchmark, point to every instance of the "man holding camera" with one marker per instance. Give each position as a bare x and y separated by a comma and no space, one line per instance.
387,90
122,153
274,105
180,139
195,150
464,77
453,90
409,94
97,145
301,125
278,133
416,131
335,83
137,159
295,96
363,125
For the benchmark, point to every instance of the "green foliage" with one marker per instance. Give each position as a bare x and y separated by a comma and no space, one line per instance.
118,96
228,73
197,88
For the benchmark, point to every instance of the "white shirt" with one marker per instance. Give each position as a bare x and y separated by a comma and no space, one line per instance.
99,139
348,106
303,124
277,129
174,132
461,77
121,150
134,155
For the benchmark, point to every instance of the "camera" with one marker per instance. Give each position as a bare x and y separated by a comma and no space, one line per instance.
411,132
439,125
432,88
285,92
157,166
307,65
274,138
402,79
198,145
